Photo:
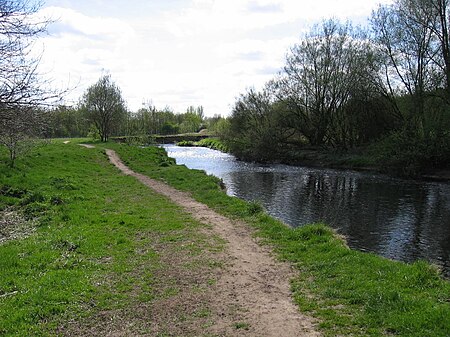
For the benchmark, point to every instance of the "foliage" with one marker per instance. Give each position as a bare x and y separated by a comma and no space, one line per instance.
186,143
152,121
215,125
212,143
18,133
169,128
255,129
408,153
192,120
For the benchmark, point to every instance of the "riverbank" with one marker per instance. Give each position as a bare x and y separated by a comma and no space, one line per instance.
107,255
358,159
350,292
362,159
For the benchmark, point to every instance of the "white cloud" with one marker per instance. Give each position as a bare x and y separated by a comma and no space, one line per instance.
201,52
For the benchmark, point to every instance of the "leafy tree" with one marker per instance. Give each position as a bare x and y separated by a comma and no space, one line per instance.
104,106
255,129
169,128
192,122
321,76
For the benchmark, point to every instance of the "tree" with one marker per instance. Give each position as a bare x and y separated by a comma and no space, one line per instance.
413,35
18,133
104,106
441,31
192,119
402,30
321,76
23,93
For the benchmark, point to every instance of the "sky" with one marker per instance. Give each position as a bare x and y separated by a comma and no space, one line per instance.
179,53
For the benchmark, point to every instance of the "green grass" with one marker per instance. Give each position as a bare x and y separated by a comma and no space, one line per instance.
92,251
352,293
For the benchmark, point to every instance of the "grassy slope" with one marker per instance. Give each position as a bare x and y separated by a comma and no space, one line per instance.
93,249
95,221
351,292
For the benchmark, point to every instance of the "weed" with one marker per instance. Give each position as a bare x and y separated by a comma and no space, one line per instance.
241,326
254,207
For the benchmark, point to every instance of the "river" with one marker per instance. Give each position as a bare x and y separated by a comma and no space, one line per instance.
400,219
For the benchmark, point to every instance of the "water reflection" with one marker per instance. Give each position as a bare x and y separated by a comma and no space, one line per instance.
399,219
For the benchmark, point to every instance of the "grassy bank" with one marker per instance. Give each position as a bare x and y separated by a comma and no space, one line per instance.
97,251
212,143
351,292
368,158
103,246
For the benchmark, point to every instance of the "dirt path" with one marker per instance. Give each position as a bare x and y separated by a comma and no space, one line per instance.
253,287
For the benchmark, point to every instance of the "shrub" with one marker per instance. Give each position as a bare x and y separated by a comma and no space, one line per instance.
186,143
407,153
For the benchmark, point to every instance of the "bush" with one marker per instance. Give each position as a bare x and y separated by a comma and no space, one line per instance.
407,153
186,143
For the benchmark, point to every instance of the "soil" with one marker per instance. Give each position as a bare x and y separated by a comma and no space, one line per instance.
251,295
14,226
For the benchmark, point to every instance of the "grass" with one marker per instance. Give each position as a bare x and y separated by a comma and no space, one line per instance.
351,292
104,243
102,246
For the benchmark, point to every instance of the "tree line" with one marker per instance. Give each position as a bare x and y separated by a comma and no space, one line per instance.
344,87
102,113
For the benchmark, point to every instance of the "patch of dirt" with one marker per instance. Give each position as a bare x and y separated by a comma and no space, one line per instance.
252,294
87,146
14,226
178,285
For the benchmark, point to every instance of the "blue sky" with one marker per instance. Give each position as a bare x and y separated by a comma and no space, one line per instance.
179,53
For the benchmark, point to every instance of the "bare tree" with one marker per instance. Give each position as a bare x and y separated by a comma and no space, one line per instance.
433,16
441,30
403,31
22,90
104,106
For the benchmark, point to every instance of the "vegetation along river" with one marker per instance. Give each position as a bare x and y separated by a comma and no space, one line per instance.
400,219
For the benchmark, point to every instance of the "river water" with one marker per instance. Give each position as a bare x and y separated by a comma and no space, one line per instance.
400,219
